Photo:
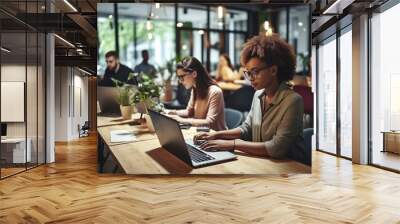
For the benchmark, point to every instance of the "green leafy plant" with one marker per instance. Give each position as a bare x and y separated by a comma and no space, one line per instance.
126,93
170,67
147,92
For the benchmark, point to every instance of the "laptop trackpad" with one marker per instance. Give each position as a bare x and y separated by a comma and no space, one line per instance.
221,155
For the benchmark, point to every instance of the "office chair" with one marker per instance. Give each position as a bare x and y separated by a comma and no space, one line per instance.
233,118
241,99
84,130
304,156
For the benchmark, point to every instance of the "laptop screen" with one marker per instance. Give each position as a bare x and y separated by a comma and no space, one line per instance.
170,136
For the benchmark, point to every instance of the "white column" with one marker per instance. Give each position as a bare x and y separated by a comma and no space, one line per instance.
360,90
50,101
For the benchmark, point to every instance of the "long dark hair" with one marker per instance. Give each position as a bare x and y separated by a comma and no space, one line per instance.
228,60
203,79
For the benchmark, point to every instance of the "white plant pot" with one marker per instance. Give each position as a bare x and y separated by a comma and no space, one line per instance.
149,123
126,112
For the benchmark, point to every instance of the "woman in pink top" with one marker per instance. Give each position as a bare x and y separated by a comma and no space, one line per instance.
206,104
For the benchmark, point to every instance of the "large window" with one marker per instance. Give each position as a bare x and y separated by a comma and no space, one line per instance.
385,89
130,28
327,96
346,93
22,77
138,27
299,19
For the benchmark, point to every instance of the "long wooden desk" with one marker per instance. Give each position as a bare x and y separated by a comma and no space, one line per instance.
146,156
103,121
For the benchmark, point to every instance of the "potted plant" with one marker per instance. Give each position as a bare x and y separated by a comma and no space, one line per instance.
147,95
125,98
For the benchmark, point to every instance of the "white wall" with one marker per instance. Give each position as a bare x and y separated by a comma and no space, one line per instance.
71,102
33,127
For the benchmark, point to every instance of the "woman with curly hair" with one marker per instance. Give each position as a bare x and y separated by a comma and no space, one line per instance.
274,126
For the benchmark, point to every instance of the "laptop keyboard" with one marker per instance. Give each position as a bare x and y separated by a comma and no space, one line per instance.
197,155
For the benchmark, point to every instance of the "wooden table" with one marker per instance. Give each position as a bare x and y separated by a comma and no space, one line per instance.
103,121
229,86
146,156
141,132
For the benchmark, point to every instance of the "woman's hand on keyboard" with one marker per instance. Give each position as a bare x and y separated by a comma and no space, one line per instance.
218,145
203,137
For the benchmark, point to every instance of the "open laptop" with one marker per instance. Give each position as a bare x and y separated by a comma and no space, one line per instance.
107,98
170,136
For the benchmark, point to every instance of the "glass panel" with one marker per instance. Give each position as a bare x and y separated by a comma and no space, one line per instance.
228,19
106,30
385,84
192,44
282,23
346,94
327,96
13,85
215,48
31,99
299,34
141,27
192,17
127,52
41,99
236,20
159,41
216,20
236,41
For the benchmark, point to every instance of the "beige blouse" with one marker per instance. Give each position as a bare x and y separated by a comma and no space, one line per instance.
208,112
280,126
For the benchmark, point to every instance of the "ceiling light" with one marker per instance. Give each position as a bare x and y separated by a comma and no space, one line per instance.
65,41
220,12
5,50
201,32
149,26
266,25
157,5
300,24
179,24
110,16
70,5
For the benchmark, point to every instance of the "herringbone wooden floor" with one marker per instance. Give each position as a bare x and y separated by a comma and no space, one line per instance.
71,191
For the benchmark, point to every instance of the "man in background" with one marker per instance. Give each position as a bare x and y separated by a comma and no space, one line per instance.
116,70
145,67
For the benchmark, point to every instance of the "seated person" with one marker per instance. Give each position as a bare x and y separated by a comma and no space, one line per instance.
206,103
115,70
145,66
274,126
225,71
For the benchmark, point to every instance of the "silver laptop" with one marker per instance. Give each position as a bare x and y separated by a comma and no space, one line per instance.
107,98
170,136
